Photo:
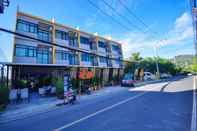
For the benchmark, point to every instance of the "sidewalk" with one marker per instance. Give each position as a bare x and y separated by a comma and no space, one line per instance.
46,104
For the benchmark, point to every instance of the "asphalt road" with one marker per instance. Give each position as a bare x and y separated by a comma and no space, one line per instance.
148,108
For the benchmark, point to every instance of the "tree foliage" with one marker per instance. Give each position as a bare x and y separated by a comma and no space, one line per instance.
149,64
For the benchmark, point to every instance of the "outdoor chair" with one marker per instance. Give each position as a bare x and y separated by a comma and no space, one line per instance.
25,94
53,90
48,89
13,96
41,91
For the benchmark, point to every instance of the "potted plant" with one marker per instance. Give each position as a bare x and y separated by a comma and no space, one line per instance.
23,84
53,83
60,88
4,93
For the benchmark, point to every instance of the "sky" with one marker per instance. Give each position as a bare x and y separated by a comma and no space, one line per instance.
170,19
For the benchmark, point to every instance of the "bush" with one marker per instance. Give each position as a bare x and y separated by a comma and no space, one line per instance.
23,83
74,83
59,84
94,81
47,81
4,95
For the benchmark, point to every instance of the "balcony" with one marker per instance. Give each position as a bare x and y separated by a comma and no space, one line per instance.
86,63
85,46
102,64
101,50
62,62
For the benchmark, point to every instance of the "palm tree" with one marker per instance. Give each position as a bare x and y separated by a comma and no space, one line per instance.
135,57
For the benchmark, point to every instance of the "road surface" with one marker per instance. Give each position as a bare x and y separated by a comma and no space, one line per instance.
148,108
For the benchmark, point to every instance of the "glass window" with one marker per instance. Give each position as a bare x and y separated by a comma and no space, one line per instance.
61,35
31,53
85,57
20,52
103,59
44,35
58,55
101,44
26,51
43,56
117,61
62,55
26,26
84,40
73,59
115,48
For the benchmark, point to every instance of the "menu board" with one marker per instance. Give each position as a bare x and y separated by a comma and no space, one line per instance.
66,84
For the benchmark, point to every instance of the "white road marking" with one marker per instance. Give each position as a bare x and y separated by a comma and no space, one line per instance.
193,121
103,110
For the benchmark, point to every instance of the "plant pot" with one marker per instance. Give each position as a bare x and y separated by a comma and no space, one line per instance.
60,96
2,107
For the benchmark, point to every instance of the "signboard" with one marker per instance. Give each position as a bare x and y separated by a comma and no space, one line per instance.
66,84
85,74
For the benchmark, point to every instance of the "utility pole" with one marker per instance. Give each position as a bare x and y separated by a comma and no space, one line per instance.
156,61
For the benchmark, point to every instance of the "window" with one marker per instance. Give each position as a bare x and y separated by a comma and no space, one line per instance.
85,57
102,59
61,35
101,44
115,48
84,40
44,35
73,59
62,55
26,26
42,56
25,51
117,61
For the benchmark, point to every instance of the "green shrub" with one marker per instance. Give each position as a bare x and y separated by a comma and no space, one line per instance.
53,81
94,81
59,84
23,83
46,81
4,95
74,83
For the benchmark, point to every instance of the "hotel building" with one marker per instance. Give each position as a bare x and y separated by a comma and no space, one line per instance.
32,58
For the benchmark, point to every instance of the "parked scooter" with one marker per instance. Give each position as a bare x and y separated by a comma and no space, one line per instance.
71,96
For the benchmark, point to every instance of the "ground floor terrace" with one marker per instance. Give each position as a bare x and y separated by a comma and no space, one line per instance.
46,80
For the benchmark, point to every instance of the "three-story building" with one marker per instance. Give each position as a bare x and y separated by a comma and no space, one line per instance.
33,59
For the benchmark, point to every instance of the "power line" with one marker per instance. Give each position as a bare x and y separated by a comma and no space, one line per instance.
57,45
135,16
139,19
122,16
118,22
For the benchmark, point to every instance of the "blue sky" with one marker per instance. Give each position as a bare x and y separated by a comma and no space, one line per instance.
171,18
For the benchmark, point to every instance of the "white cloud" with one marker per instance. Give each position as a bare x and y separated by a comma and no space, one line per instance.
181,32
183,21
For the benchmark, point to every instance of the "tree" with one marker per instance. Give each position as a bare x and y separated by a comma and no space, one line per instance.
135,57
194,65
134,62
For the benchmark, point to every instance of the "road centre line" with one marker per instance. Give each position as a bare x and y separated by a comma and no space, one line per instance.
103,110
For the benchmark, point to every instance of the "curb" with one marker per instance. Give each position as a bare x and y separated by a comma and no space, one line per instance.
146,82
24,116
